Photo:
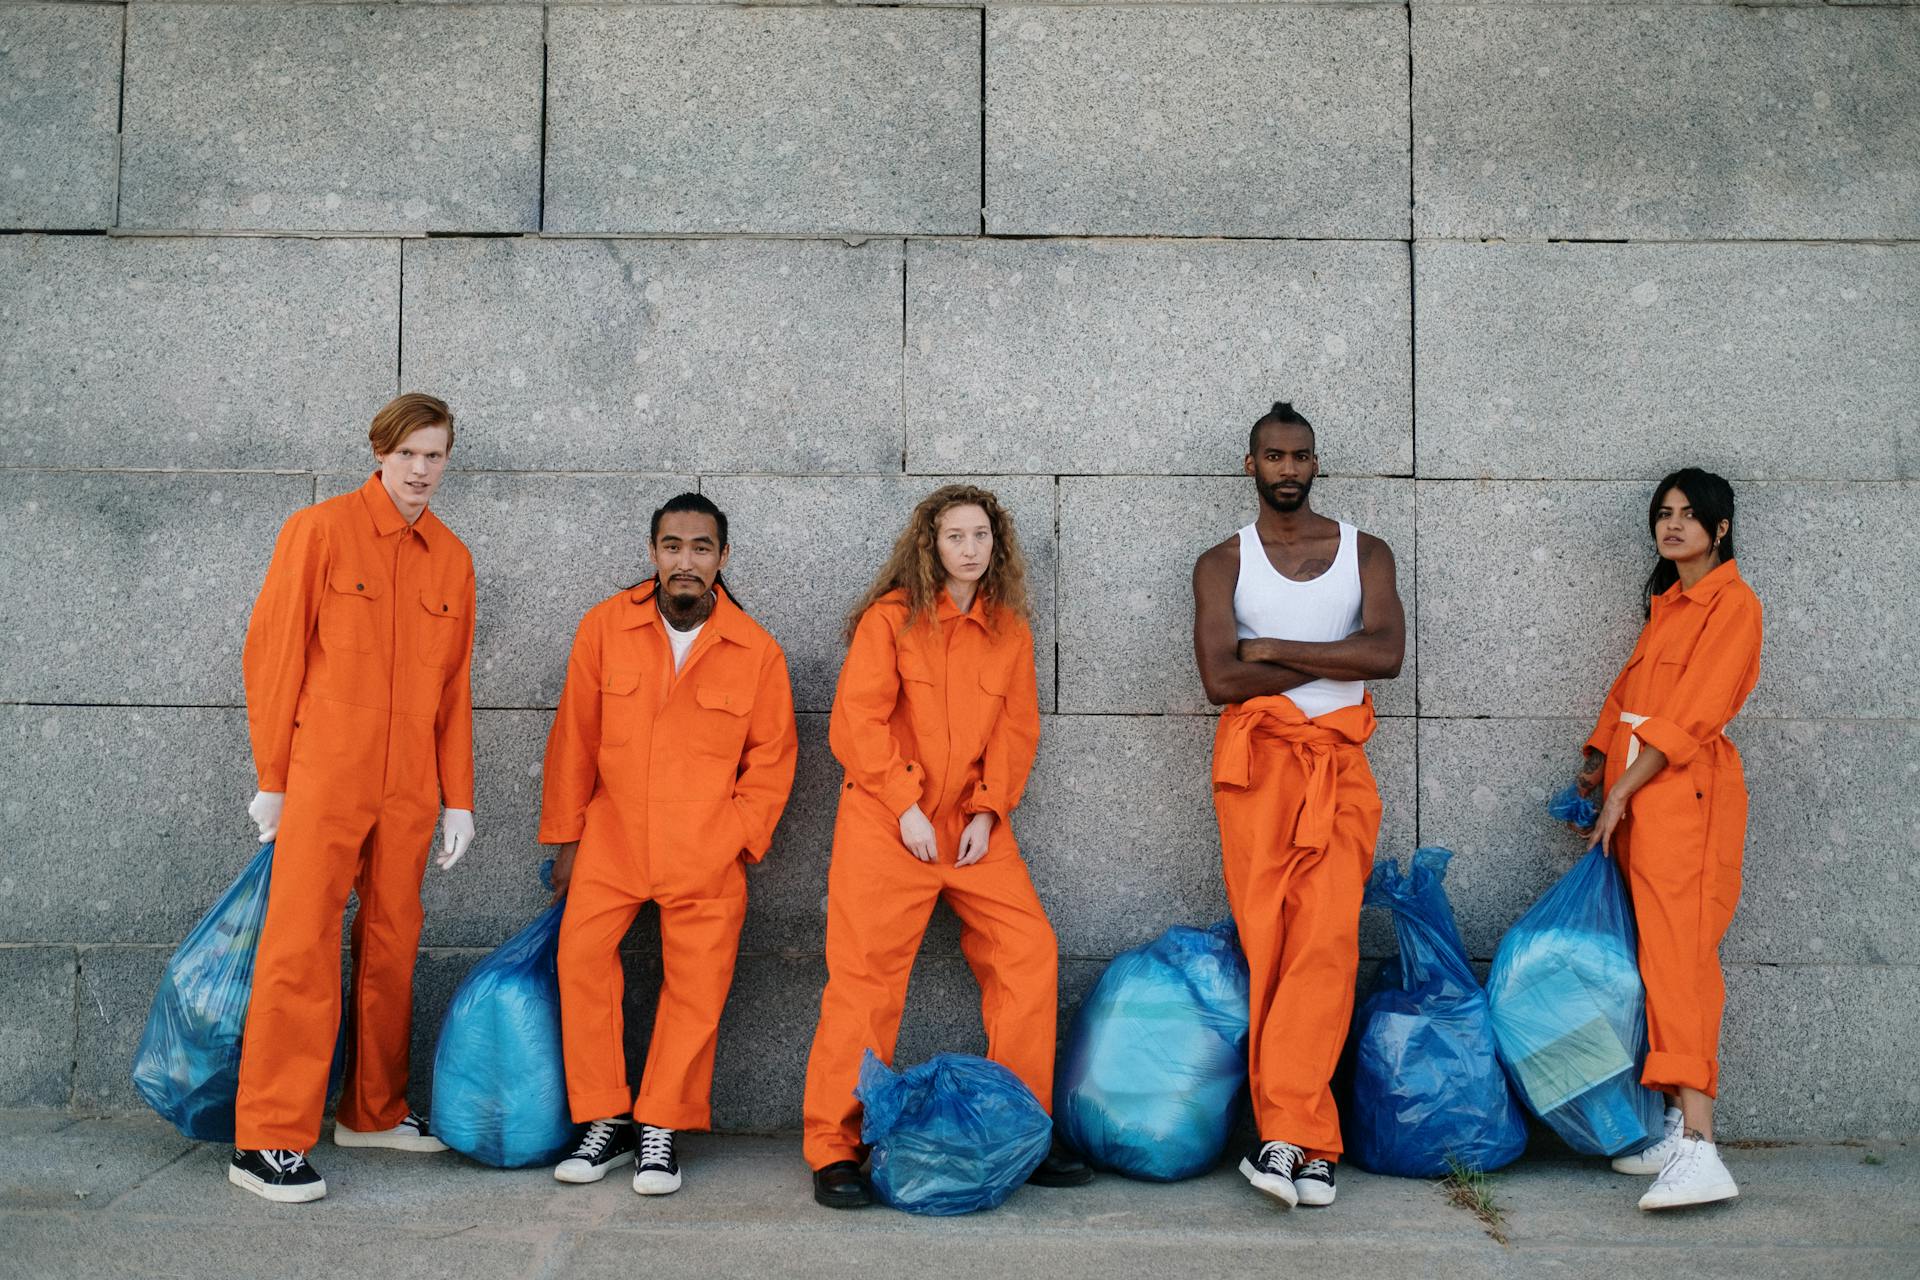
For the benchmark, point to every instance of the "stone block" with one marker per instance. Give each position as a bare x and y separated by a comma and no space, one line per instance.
1127,549
1269,121
1119,832
120,824
116,986
160,353
59,114
496,889
1530,595
1787,362
609,355
1132,358
805,549
36,1023
546,548
98,560
57,1163
1855,1013
332,118
1692,122
795,120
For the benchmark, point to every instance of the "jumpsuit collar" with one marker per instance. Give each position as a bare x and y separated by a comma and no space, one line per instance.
728,621
945,610
386,517
1703,592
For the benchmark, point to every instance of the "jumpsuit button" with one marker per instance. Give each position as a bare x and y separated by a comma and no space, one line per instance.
359,586
443,608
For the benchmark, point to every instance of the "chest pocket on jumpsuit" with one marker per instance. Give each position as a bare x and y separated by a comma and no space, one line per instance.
441,629
723,721
619,708
347,612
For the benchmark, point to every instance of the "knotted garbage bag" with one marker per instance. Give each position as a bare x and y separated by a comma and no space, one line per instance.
499,1078
1428,1089
1149,1079
1570,1014
955,1134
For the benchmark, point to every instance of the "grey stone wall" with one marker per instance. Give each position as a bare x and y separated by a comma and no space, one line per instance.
1516,260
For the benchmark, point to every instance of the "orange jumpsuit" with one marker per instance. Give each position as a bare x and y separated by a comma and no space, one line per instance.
357,667
945,716
1299,813
1696,661
668,781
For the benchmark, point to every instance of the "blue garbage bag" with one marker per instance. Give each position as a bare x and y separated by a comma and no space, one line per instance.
1428,1089
1568,805
955,1134
499,1077
188,1064
1570,1015
1149,1080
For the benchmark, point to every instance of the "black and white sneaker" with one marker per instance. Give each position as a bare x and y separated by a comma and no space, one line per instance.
1271,1169
658,1173
411,1134
1314,1183
604,1145
281,1176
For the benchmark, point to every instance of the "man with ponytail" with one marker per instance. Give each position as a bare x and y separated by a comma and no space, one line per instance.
667,769
1290,617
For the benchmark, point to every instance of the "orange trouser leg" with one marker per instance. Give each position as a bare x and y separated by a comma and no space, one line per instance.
385,942
1016,959
879,898
1685,835
293,1017
1298,914
699,941
601,904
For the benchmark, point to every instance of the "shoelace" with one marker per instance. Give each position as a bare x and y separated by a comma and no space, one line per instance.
1681,1163
656,1145
1280,1158
283,1161
416,1122
1316,1169
598,1135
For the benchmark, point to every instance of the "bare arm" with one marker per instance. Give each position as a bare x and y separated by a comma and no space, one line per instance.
1371,653
1226,676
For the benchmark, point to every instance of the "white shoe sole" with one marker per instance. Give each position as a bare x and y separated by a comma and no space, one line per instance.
267,1191
1315,1195
1639,1166
345,1137
1713,1193
585,1173
654,1182
1280,1189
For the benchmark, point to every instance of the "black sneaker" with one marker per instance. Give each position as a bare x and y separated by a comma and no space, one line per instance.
1061,1168
1314,1183
603,1145
659,1172
841,1185
1272,1169
281,1176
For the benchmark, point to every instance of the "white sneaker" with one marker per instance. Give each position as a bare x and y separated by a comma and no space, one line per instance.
1694,1175
658,1173
1649,1161
1314,1184
410,1134
603,1145
1271,1169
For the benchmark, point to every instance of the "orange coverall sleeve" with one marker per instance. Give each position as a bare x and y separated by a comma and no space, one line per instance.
766,764
1013,741
1601,739
1717,679
573,744
273,662
453,724
859,730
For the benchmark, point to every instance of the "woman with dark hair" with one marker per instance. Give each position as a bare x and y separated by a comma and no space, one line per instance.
936,720
1675,813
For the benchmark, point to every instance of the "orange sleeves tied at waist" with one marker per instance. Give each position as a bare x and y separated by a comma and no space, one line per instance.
668,782
944,715
1299,814
1697,659
357,664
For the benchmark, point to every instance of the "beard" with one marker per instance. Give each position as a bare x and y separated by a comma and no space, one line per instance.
1284,505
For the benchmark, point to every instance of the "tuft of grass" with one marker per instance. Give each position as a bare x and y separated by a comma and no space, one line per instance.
1472,1190
1871,1158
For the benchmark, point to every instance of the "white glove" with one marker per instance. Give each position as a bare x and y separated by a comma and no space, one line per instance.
265,812
456,827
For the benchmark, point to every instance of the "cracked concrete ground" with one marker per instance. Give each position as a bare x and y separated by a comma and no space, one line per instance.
124,1196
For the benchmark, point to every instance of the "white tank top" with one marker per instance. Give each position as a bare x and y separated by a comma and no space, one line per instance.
1267,603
